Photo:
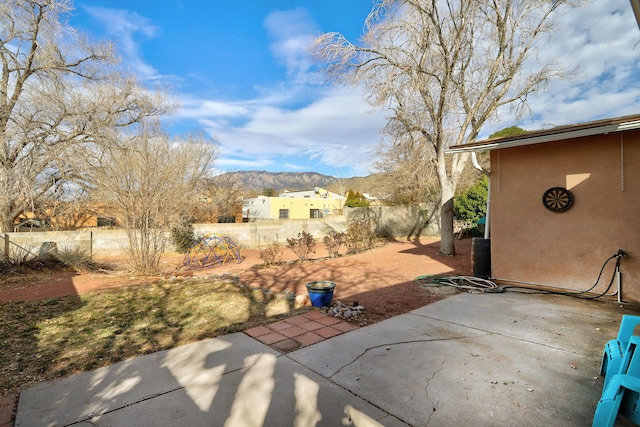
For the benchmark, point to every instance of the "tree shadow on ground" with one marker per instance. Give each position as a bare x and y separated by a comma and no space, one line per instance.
384,303
353,275
382,280
22,360
459,263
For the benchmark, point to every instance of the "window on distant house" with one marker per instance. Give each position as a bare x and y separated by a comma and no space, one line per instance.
284,214
315,213
106,222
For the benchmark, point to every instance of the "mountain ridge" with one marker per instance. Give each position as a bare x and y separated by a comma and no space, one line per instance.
259,180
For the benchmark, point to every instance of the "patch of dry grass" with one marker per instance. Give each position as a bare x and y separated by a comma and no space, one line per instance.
42,340
33,269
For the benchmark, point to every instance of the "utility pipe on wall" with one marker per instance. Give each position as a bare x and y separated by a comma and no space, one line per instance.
474,162
545,285
487,222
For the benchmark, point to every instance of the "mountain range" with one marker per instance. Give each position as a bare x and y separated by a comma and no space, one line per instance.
258,181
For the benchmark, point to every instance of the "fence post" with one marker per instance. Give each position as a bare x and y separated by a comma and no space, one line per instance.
6,247
255,237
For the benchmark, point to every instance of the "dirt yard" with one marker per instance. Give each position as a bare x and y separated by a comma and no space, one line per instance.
381,280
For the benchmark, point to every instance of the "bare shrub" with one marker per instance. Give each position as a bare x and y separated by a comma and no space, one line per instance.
65,258
78,259
272,254
333,241
72,256
302,245
17,255
148,182
359,237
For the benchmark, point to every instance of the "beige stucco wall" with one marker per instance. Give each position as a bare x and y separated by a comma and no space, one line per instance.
388,221
529,243
298,203
301,208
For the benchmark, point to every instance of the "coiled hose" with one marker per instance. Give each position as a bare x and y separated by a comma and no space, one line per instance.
469,283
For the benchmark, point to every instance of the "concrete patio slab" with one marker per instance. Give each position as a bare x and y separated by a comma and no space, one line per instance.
475,359
233,380
478,359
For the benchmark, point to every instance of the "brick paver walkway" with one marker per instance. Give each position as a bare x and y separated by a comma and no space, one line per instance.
300,331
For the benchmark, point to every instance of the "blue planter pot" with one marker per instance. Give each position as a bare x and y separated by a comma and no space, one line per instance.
320,293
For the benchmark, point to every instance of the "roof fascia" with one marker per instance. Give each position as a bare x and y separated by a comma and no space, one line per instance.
539,139
635,5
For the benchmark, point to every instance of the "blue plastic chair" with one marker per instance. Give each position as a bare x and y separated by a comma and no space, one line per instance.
622,393
614,349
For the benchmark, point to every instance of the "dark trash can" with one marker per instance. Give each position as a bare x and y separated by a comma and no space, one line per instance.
481,257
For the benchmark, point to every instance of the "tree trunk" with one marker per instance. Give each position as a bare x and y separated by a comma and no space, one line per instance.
448,183
447,241
6,218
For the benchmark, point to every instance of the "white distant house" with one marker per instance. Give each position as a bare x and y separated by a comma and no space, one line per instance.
304,204
369,197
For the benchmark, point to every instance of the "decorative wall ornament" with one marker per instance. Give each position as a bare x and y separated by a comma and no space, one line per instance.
557,199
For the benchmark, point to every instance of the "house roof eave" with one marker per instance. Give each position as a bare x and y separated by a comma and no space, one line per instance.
635,5
599,127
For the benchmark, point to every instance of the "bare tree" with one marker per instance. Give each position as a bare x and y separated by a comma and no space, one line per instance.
57,92
149,181
408,180
225,193
444,67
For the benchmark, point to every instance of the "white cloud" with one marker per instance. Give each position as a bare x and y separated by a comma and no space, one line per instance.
291,33
338,130
304,124
600,40
124,27
195,108
298,124
229,164
295,167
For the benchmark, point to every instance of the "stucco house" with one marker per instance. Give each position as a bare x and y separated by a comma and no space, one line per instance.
305,204
563,201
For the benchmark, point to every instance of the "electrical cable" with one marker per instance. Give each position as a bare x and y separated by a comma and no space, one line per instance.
578,294
479,285
616,269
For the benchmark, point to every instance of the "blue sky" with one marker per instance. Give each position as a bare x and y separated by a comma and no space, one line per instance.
241,73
